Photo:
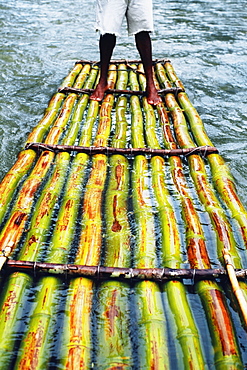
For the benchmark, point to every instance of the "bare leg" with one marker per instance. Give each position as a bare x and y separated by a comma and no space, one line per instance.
106,44
143,44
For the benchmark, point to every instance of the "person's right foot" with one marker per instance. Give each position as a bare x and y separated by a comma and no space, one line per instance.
99,92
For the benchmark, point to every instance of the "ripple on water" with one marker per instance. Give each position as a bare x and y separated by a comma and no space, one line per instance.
206,42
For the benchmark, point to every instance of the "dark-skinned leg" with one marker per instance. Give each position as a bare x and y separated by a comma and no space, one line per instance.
107,43
144,46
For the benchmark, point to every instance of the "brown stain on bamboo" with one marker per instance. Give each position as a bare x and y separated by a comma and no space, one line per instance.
155,360
14,230
197,253
140,187
92,204
165,123
8,305
222,322
116,227
222,229
80,308
112,313
31,242
119,172
75,359
66,215
44,209
30,359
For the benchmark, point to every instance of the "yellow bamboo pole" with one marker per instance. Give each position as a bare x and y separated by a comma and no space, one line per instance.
14,227
185,327
76,352
151,319
219,320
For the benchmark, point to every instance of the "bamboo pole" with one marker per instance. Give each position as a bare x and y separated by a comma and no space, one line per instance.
204,189
76,348
151,320
221,175
29,251
26,158
187,333
36,353
14,226
223,182
212,296
114,340
222,333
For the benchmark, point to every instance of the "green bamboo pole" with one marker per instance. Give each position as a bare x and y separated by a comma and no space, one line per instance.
18,283
114,343
205,191
151,322
224,183
41,218
36,353
222,333
222,177
76,349
27,157
187,333
14,226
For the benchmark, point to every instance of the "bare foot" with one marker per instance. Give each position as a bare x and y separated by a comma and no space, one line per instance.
99,92
153,97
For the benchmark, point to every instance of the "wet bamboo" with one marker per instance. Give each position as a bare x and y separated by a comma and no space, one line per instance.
36,353
187,332
17,283
76,348
151,321
117,91
27,157
119,273
222,177
223,337
113,338
224,181
205,191
14,226
42,215
203,150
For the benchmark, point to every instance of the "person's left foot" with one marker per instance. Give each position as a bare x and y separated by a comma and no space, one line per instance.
99,92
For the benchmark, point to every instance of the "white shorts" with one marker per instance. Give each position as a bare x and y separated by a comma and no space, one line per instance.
110,15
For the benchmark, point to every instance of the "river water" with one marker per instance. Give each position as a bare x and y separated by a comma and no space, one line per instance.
206,42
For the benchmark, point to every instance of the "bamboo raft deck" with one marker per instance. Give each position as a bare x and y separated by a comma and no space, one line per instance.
131,211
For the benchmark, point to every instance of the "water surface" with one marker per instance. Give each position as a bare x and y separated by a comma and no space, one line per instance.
206,42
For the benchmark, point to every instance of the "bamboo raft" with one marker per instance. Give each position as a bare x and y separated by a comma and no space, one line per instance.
130,210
